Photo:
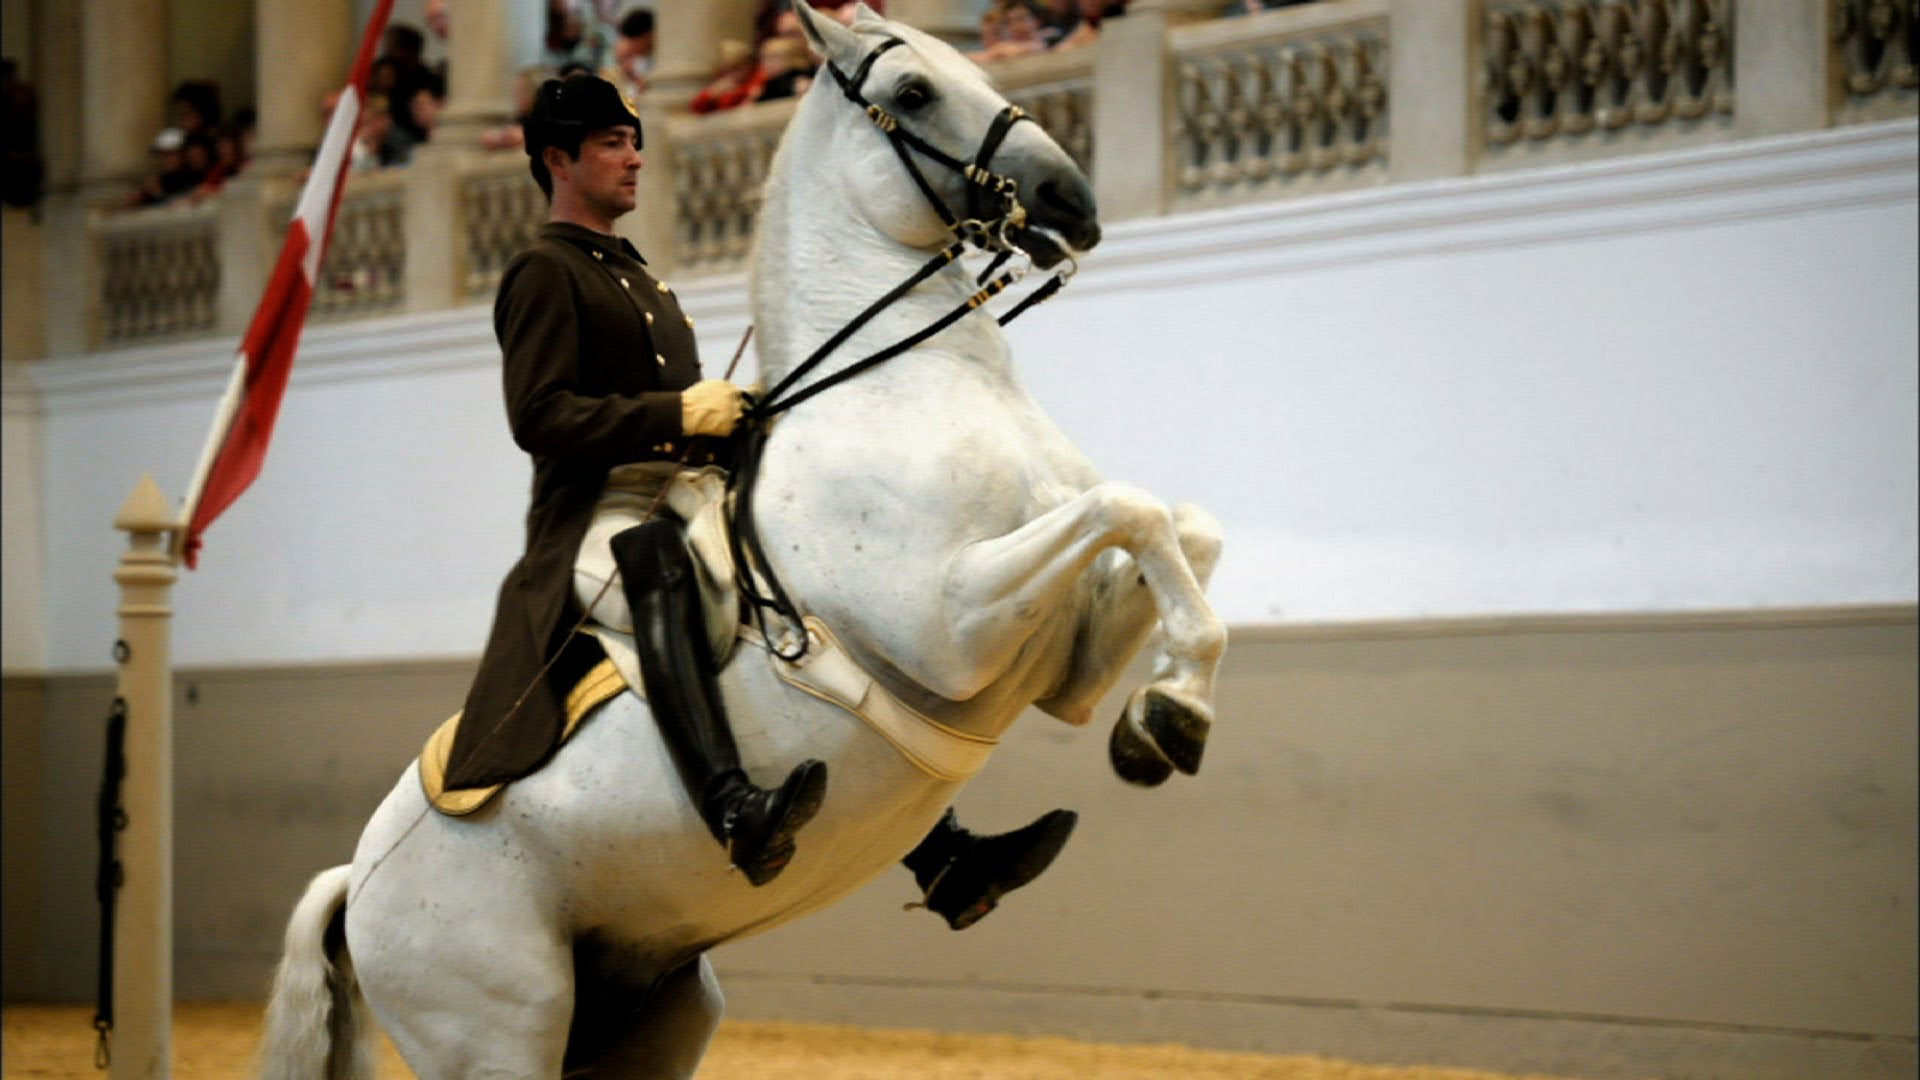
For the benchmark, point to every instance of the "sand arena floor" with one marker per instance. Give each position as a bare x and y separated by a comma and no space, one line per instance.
218,1042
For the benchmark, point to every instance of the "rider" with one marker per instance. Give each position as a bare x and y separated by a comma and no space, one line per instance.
602,373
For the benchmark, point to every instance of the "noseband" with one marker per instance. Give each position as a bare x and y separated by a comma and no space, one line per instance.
986,226
983,184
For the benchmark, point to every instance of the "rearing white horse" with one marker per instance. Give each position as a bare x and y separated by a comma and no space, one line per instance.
926,515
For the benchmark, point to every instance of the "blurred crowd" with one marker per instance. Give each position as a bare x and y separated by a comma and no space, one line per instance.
201,148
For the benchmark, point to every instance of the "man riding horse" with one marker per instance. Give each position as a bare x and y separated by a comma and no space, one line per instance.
603,389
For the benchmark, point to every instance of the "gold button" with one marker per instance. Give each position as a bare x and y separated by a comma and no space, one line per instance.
597,255
624,285
668,448
689,322
660,359
649,316
662,285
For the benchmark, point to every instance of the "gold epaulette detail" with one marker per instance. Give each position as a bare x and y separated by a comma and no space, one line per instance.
589,693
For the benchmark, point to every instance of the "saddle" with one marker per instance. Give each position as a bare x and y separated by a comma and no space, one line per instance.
826,671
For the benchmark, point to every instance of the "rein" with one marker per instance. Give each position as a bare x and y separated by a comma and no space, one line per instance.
977,229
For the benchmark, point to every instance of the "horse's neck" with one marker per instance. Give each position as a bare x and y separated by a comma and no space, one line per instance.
818,264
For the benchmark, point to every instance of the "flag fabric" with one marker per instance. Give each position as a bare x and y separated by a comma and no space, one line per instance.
237,443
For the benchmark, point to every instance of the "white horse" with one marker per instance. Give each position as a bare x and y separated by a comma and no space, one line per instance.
926,513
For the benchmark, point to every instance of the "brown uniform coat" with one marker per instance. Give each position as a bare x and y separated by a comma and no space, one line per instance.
595,355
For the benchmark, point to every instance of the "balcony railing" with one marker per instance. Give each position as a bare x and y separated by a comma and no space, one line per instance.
1166,115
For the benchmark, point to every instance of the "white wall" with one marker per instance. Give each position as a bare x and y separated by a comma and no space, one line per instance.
23,644
1676,382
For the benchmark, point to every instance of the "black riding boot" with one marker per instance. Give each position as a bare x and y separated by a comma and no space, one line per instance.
964,876
676,664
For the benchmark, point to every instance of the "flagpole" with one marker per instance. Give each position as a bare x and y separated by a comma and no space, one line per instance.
216,438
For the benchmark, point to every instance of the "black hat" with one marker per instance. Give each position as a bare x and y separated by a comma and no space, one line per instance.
578,104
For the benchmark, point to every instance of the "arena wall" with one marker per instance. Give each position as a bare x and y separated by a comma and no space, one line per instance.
1569,722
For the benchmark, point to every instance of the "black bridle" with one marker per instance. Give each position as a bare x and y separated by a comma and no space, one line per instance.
983,184
993,211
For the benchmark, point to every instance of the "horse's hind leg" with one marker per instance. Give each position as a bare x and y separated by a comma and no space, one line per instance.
1124,616
657,1035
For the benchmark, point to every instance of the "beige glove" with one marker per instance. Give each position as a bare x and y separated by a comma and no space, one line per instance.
710,407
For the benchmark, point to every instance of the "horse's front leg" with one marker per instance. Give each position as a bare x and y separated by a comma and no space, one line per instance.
1122,617
1000,591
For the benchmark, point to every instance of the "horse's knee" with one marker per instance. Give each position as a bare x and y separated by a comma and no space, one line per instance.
1131,513
1201,539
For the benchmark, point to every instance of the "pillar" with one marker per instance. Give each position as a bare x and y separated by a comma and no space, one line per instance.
1433,104
123,88
479,71
1782,77
303,51
1133,107
687,41
143,916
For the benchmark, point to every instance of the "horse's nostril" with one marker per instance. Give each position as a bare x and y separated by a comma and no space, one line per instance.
1073,199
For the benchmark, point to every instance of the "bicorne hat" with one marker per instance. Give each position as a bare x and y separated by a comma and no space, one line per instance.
575,105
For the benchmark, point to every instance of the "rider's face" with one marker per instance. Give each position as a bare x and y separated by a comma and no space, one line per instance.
606,174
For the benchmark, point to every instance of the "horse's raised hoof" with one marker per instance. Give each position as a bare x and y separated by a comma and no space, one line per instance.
1178,729
1135,759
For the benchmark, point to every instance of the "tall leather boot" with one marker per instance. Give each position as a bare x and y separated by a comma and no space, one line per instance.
676,664
963,876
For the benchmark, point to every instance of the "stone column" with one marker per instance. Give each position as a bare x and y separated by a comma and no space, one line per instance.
650,226
479,71
687,39
1432,97
123,88
303,50
143,917
1133,107
1782,67
956,22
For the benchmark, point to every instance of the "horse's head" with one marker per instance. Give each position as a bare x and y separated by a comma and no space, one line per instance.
963,140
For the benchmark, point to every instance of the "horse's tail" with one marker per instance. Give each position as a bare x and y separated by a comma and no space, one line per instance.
317,1025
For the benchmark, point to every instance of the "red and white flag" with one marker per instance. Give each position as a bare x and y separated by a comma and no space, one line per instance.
237,444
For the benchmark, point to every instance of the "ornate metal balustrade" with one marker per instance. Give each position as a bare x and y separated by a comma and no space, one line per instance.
365,271
1876,43
720,164
159,273
1593,71
503,210
1292,100
1056,89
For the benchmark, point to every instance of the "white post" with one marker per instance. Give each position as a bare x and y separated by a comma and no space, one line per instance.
143,917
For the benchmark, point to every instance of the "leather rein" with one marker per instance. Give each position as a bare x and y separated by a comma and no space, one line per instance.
988,193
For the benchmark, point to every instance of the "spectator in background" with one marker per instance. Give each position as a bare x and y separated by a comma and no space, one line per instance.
25,170
576,34
787,68
1008,29
195,108
232,151
405,47
170,176
1087,30
409,122
633,52
737,80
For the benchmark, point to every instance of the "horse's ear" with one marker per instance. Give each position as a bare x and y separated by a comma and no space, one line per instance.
827,37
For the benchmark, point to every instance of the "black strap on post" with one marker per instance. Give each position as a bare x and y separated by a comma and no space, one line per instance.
106,883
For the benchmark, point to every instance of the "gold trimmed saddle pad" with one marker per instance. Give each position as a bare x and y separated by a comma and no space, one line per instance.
593,689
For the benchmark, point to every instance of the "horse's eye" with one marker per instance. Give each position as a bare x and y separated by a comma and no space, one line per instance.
913,97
